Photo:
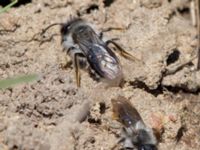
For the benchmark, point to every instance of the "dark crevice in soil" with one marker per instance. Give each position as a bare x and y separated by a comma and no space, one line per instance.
78,13
107,3
15,147
180,133
92,8
23,2
142,85
94,121
173,57
102,107
160,89
176,90
185,12
4,3
171,16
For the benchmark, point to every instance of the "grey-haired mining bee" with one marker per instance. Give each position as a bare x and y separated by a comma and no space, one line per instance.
135,134
88,50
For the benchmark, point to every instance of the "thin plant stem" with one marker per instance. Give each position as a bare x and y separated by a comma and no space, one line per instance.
198,33
9,82
8,6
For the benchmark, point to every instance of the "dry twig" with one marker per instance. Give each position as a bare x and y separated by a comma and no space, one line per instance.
198,33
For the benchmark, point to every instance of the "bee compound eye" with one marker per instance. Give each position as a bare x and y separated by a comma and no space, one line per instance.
68,27
65,29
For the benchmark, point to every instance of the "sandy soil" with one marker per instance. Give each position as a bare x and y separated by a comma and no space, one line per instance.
44,115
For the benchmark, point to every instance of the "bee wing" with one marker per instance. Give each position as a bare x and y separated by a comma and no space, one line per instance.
99,56
103,63
125,112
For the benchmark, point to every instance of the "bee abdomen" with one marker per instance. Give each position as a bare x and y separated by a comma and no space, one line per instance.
105,65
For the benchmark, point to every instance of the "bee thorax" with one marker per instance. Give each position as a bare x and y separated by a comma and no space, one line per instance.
147,136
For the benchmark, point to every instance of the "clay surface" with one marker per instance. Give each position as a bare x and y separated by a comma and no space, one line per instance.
53,114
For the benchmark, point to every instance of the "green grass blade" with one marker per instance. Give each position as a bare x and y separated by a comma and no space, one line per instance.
17,80
8,6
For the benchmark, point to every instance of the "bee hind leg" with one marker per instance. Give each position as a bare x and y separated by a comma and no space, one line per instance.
123,53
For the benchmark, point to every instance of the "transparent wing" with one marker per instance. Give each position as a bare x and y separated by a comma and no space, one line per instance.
124,112
101,59
103,63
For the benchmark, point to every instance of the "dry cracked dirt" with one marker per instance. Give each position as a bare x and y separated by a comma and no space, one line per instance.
45,115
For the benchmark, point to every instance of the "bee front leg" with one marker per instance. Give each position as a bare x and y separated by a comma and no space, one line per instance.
77,68
117,145
123,53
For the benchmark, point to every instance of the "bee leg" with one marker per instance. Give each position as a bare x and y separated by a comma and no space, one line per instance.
117,144
109,29
124,53
101,35
77,69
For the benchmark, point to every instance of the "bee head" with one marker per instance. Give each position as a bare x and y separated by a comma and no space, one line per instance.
67,27
146,139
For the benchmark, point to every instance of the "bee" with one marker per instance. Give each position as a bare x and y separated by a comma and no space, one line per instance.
88,50
135,134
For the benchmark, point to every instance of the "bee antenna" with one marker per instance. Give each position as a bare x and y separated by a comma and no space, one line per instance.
48,27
